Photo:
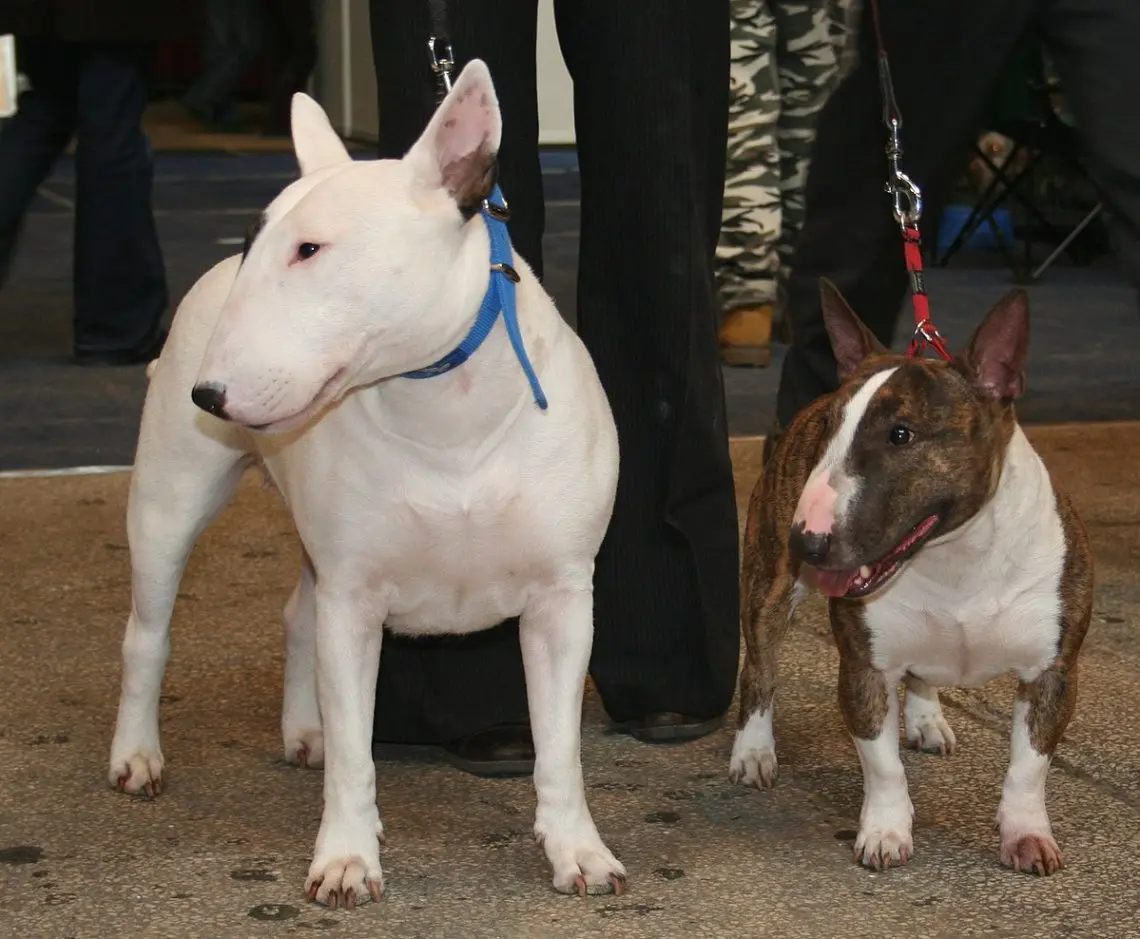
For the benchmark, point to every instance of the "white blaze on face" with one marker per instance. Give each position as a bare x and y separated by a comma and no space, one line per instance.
830,489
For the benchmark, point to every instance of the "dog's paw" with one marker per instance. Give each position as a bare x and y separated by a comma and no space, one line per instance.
882,846
305,748
753,760
931,734
140,774
1027,842
754,768
582,865
926,727
344,882
1032,853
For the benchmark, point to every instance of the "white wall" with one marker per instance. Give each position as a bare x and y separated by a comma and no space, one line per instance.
555,90
345,82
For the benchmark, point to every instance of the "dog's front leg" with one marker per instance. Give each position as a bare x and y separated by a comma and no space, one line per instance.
1041,712
556,634
346,862
870,709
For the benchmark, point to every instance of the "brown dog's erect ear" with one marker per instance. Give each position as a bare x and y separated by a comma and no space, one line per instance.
995,357
851,341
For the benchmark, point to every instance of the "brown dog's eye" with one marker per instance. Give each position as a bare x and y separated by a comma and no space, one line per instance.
307,250
900,436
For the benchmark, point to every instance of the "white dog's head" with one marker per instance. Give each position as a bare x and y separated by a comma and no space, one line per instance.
355,272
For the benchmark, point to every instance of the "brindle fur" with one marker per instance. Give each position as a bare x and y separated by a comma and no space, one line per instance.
769,572
1052,696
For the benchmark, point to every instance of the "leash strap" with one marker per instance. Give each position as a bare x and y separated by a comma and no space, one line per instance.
906,203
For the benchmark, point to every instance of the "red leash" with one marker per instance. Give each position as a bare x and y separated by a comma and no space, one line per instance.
906,200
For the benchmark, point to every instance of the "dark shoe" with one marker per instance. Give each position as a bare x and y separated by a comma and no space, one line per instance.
138,355
670,727
506,750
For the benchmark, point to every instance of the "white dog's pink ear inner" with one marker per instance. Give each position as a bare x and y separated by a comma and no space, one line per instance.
459,147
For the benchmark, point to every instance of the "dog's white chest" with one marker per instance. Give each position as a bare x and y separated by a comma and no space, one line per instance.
986,600
444,543
462,555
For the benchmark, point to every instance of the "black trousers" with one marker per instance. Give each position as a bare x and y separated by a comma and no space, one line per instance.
96,92
945,56
650,92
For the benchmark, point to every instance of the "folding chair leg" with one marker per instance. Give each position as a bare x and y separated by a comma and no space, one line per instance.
1069,238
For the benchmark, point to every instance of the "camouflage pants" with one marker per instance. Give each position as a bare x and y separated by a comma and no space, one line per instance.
786,60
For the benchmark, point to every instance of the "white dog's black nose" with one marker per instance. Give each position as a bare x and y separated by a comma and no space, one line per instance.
811,547
211,398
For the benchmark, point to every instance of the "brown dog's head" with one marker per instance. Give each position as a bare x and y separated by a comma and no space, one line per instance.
914,446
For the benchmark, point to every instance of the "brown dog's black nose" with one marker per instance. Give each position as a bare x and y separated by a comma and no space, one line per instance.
211,398
811,547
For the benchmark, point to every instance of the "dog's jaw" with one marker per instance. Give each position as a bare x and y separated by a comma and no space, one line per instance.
868,579
328,394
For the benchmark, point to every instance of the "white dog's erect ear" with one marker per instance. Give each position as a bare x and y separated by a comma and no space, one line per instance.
458,149
851,341
315,142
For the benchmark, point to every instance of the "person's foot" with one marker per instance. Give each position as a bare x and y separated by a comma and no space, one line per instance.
136,355
746,336
670,727
506,750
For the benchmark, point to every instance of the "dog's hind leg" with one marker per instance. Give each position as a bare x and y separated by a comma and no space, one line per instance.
186,469
926,727
300,713
767,586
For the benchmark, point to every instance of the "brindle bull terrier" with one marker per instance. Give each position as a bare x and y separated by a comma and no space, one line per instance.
913,500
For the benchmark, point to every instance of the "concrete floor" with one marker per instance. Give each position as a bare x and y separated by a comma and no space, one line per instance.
223,853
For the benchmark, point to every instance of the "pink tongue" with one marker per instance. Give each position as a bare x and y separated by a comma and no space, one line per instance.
835,583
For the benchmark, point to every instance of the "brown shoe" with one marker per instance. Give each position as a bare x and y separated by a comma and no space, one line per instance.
746,335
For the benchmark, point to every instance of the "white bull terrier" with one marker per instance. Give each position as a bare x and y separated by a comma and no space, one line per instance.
431,506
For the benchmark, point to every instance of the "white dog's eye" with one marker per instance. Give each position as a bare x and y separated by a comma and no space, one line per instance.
306,250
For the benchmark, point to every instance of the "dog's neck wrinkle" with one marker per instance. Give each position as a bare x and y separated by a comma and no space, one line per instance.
474,402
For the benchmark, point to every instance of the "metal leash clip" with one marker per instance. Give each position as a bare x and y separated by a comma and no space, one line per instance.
905,195
499,212
442,64
927,332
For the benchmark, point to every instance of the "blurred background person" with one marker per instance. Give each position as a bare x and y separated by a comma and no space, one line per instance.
234,33
291,56
785,62
87,63
946,56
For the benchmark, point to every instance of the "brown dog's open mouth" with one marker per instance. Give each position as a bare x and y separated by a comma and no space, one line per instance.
870,577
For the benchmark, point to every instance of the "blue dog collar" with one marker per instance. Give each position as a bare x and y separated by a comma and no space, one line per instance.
499,299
